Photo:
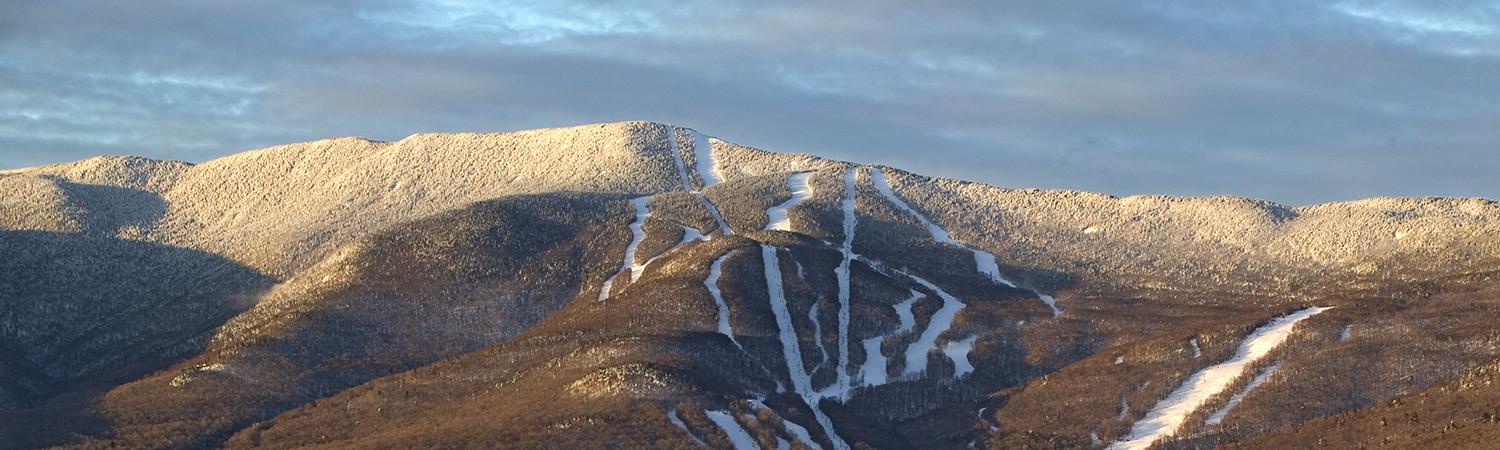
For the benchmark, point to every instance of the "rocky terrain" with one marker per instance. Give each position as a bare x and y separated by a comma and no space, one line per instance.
640,285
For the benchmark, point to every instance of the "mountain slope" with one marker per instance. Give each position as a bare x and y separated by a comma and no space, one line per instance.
643,285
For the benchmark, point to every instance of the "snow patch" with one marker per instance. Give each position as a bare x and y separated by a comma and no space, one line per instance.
988,266
1168,415
737,434
1345,332
1197,352
800,190
875,363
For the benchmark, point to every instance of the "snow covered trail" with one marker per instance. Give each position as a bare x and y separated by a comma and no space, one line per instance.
797,431
842,274
800,190
641,213
676,150
875,363
703,157
1168,415
1218,416
672,415
791,350
712,283
737,434
916,354
959,353
984,261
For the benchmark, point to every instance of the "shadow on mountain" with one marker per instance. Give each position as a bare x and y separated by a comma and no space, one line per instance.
110,208
84,313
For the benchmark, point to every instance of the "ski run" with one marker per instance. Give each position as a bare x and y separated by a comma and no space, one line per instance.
800,190
641,213
737,434
791,349
712,283
984,261
1167,417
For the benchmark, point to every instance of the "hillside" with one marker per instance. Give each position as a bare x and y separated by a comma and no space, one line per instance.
639,285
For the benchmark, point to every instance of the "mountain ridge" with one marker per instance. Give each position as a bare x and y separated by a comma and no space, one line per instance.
374,263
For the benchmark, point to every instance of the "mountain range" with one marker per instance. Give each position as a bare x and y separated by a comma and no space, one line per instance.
642,285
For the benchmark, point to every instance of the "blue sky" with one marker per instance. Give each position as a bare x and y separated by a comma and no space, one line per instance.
1295,102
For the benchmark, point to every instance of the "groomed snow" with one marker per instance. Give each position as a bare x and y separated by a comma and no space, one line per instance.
916,354
703,156
797,431
800,190
737,434
938,233
1168,415
638,235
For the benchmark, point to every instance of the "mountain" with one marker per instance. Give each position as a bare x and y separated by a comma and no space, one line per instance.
640,285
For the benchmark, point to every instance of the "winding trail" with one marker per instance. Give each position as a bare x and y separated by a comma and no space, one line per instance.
1167,417
737,434
800,191
712,283
641,213
916,354
873,369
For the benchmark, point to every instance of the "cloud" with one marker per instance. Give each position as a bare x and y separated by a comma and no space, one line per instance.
1298,103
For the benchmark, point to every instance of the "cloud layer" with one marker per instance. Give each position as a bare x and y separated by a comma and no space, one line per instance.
1296,102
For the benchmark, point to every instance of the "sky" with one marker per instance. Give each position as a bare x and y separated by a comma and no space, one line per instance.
1297,102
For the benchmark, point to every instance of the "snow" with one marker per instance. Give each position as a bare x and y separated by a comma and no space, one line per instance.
1168,415
1344,333
714,211
1197,352
842,272
800,190
737,434
641,213
703,155
672,415
797,431
959,352
884,187
988,266
1051,303
1218,416
916,354
712,283
875,363
673,147
790,348
812,315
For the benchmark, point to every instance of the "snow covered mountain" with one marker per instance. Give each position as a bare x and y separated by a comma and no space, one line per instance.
640,285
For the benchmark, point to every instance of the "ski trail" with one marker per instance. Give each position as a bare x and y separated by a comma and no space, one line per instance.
938,234
672,415
812,314
959,353
677,157
790,348
737,434
712,283
1218,416
984,261
1164,419
916,354
800,191
703,156
641,213
842,273
714,211
875,363
797,431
